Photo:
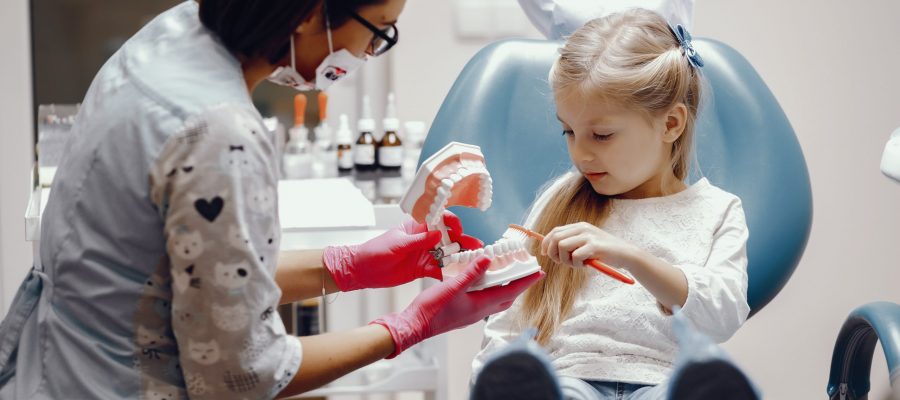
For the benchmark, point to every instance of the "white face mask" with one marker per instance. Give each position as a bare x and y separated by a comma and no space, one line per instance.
334,67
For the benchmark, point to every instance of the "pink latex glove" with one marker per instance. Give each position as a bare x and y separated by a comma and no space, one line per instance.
395,257
447,306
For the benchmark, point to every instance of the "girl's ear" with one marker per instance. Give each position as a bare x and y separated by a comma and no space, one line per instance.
675,120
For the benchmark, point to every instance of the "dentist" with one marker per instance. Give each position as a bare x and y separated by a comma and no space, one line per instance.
160,263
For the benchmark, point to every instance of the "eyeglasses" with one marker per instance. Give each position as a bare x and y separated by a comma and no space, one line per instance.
383,40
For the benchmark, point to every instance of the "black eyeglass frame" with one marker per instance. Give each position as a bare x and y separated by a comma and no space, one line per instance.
379,33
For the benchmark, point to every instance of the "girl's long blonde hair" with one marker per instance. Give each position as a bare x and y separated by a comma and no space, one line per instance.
632,59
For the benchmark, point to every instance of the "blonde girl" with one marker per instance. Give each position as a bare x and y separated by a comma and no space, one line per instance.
627,89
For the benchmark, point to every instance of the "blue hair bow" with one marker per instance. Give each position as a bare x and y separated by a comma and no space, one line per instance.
684,39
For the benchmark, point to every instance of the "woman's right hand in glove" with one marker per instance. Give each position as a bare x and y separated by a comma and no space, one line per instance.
447,306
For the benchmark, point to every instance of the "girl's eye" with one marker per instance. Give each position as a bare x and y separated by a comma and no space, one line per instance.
603,138
568,132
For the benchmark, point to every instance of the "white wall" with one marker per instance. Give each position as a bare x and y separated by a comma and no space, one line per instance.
15,146
429,56
835,68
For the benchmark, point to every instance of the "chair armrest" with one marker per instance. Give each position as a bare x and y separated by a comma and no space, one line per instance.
851,362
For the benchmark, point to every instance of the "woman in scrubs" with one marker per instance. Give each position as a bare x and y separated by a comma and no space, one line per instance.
160,267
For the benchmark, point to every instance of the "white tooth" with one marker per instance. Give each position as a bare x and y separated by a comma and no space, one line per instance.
434,218
484,204
454,258
451,248
498,250
455,178
504,246
447,183
462,171
489,251
465,257
522,255
479,253
443,193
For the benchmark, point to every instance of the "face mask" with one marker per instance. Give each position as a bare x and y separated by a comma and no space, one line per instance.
333,68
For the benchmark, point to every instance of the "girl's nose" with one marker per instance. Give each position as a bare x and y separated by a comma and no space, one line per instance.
581,151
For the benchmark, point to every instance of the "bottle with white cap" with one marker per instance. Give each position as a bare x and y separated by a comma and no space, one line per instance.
324,147
390,150
345,146
413,141
366,145
298,152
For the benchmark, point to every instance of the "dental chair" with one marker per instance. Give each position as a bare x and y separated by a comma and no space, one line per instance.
851,361
502,102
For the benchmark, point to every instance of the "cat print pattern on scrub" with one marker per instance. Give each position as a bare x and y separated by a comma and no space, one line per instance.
156,353
222,233
186,244
156,391
232,276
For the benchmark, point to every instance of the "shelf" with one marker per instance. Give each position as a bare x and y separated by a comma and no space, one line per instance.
406,373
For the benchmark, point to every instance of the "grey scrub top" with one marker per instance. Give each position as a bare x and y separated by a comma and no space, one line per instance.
160,238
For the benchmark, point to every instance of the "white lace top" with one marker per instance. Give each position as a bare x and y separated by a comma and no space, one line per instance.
616,332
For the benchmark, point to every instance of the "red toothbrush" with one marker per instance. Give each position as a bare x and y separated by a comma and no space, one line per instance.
593,263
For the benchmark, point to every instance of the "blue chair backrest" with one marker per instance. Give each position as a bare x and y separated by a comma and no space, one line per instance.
502,102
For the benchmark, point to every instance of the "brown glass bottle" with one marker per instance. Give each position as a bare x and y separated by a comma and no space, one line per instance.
344,147
390,152
364,154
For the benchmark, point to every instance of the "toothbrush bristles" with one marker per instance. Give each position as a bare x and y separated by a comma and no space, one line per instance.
527,231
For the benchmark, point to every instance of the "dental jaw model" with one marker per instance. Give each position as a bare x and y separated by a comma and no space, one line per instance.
457,176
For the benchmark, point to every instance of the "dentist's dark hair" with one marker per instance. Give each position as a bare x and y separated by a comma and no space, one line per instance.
262,28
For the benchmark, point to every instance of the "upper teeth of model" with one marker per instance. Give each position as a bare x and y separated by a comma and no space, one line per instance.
486,192
445,190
